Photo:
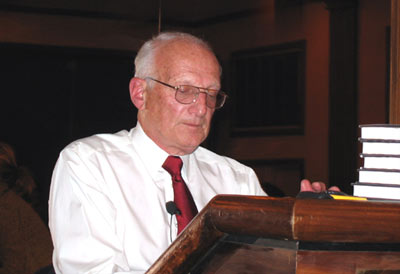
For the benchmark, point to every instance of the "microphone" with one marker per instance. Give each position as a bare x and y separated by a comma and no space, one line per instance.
172,209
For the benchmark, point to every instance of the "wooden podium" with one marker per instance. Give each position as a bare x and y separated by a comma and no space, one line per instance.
249,234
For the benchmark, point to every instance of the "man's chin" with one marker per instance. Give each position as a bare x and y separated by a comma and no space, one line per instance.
191,146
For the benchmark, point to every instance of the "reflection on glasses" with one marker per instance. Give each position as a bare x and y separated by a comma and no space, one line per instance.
186,94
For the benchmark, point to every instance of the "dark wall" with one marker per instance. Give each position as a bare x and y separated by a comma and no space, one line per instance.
51,96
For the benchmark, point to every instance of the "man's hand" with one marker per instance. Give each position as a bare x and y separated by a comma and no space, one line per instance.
306,185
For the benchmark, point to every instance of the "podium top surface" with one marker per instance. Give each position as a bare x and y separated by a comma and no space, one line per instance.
308,220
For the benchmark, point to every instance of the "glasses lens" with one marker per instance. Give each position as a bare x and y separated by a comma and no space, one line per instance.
186,94
212,100
219,100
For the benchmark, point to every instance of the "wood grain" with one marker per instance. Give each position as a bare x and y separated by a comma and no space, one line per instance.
318,262
308,220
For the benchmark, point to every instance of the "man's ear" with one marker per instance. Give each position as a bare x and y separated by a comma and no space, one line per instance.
137,86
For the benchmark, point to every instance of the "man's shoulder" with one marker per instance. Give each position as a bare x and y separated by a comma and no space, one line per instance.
211,158
99,143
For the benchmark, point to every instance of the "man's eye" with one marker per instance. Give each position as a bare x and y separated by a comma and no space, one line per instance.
187,90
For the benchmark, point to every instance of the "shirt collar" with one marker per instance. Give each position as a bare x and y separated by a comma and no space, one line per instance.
151,154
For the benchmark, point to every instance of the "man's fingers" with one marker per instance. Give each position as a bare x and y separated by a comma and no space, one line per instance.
305,185
334,188
318,186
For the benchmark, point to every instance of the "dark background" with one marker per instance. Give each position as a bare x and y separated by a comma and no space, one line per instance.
298,117
51,96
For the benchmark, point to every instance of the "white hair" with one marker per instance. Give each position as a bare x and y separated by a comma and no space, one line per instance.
144,61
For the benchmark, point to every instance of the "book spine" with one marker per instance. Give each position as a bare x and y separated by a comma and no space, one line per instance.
379,176
374,191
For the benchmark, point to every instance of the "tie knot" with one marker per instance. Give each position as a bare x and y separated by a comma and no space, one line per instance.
173,164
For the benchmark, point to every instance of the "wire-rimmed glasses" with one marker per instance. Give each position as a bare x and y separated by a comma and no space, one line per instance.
186,94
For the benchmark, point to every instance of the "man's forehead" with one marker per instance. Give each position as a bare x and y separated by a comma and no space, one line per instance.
184,49
211,81
188,64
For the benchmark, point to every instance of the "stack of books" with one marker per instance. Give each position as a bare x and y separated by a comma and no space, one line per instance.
380,175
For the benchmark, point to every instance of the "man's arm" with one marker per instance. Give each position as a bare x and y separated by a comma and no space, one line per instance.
82,219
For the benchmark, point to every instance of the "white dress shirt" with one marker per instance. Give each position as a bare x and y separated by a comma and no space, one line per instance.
107,210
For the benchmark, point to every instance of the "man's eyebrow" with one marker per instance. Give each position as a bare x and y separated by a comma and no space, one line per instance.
187,83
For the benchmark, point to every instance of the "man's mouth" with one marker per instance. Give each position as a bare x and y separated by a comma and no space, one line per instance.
192,124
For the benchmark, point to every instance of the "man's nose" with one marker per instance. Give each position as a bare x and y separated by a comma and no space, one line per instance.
200,106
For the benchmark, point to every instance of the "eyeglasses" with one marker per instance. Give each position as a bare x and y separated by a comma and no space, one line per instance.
186,94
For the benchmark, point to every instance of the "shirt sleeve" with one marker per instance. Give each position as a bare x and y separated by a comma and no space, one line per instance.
82,219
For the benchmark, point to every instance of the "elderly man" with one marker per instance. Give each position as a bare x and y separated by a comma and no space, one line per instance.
109,192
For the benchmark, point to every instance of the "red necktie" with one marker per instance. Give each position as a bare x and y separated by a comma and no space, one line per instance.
182,197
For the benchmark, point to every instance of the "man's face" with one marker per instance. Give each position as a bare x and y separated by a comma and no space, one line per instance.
178,128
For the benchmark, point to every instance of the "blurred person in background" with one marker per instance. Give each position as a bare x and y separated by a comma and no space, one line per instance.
25,242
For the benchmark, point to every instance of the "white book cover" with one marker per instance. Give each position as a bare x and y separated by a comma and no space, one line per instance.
376,191
379,176
380,131
380,147
381,161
